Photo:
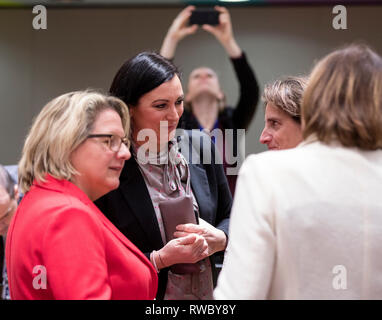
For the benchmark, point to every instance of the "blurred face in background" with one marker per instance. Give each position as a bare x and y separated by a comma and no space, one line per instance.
281,131
203,81
7,209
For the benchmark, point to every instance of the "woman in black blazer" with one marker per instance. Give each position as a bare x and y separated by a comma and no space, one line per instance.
149,84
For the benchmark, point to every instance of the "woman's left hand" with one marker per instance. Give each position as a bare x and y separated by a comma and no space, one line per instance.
216,239
223,33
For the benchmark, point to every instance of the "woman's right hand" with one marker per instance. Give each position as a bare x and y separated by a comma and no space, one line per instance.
188,249
177,31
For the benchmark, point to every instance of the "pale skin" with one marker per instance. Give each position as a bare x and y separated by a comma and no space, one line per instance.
216,239
99,167
204,92
280,130
193,242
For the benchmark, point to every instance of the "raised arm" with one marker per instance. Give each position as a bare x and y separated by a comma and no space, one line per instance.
249,89
224,34
248,95
177,31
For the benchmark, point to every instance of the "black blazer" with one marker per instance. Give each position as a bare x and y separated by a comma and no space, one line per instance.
130,208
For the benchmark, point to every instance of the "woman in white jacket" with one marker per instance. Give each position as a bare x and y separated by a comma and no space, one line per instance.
306,223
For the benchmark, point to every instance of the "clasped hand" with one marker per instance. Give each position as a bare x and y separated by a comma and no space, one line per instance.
192,243
216,239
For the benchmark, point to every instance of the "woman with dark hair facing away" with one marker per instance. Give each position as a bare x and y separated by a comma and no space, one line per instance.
307,222
205,102
160,173
59,245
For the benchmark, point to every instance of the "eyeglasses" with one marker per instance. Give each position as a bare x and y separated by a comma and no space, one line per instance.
113,142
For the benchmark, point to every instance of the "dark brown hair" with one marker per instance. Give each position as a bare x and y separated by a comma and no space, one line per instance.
343,100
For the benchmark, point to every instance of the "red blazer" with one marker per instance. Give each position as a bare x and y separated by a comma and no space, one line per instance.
82,254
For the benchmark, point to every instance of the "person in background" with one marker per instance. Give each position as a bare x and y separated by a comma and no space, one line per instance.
8,206
282,100
205,102
150,86
59,245
306,222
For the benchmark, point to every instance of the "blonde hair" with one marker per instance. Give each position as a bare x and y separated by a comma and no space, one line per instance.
343,100
61,126
286,93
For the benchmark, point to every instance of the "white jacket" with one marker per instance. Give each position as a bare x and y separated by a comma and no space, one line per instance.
306,223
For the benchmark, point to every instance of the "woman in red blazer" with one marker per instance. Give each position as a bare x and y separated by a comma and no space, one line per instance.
59,245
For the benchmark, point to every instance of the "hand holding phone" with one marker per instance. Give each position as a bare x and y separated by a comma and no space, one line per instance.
201,16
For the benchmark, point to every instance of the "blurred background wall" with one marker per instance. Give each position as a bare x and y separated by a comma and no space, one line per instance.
84,47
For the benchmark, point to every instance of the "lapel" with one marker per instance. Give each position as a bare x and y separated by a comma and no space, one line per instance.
200,188
113,229
126,242
138,199
68,187
199,180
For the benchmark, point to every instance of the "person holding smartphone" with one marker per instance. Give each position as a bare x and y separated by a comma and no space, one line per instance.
205,103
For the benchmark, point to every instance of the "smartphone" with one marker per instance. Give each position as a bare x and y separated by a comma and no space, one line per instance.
202,16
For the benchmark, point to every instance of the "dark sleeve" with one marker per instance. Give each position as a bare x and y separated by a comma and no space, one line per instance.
249,93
